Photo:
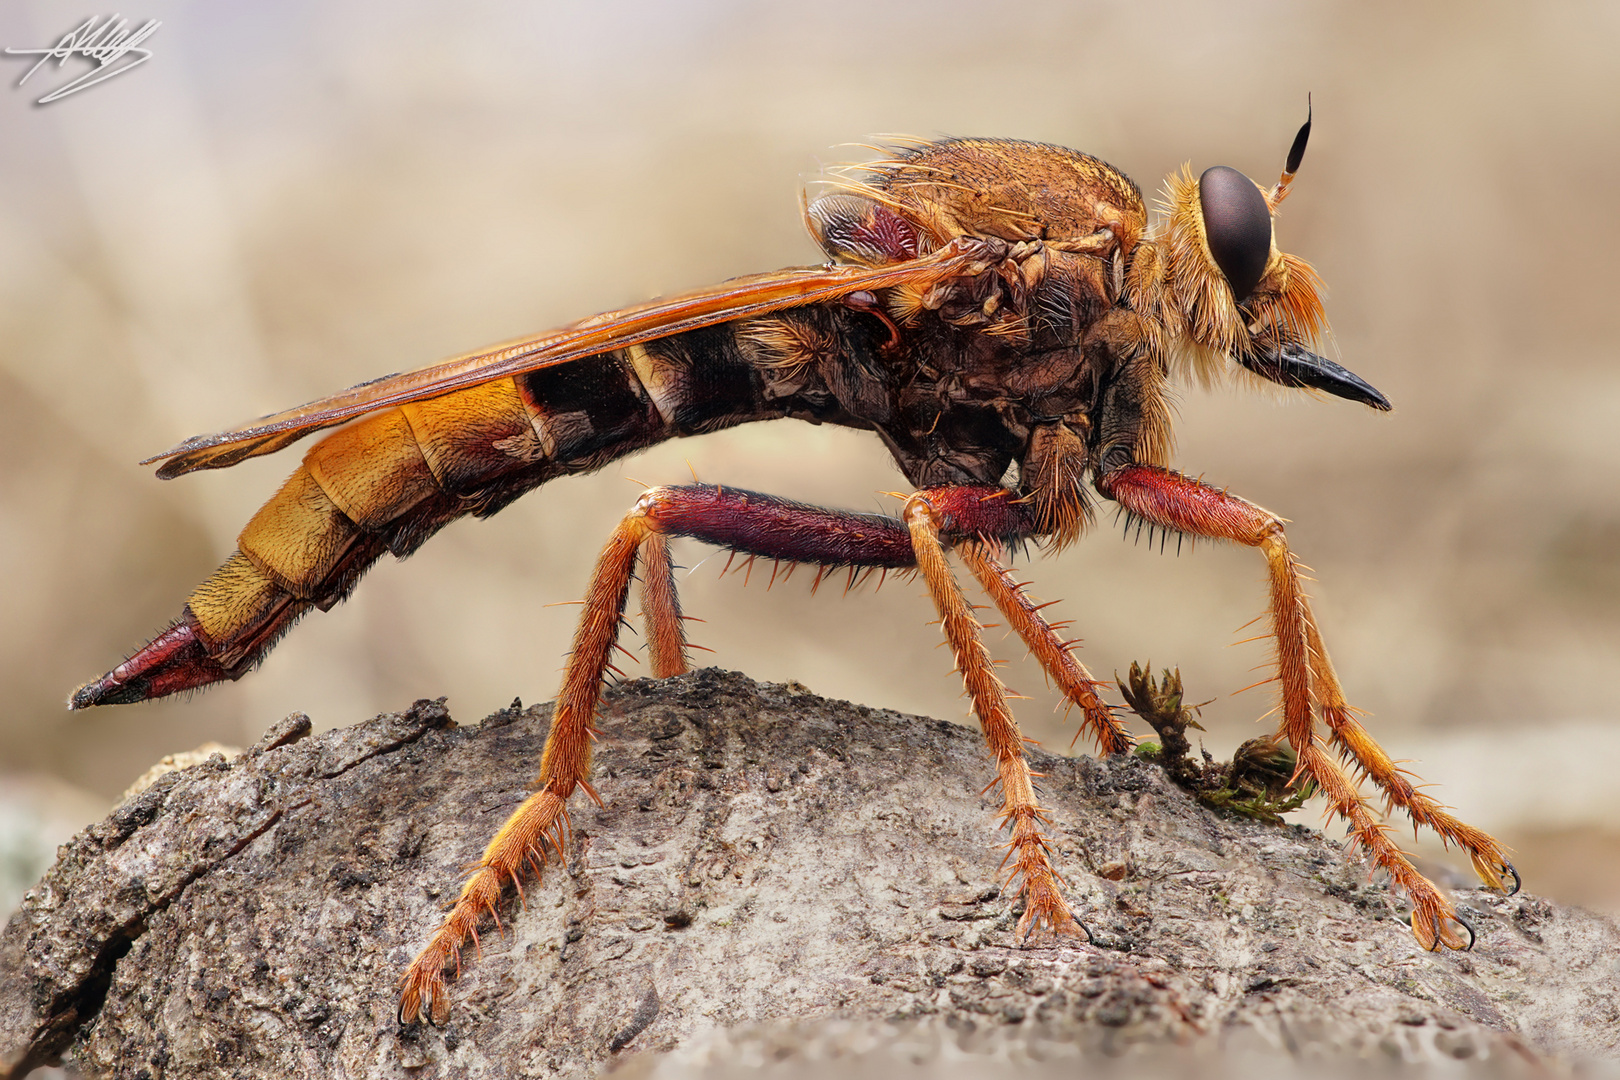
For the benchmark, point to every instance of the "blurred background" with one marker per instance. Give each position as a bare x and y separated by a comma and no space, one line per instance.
290,198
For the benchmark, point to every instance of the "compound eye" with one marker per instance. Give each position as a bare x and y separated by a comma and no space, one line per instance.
1237,224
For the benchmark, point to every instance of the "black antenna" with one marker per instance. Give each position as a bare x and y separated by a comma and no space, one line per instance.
1296,153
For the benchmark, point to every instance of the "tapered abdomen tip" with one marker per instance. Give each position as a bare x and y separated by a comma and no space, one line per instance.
175,660
108,691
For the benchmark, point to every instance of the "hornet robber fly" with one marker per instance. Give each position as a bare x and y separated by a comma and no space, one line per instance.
990,310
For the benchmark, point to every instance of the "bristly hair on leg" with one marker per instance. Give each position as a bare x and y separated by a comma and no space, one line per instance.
1154,529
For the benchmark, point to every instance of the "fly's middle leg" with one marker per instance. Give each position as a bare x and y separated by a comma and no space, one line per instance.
929,514
1041,638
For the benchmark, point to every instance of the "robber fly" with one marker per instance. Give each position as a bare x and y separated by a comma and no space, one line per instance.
1002,315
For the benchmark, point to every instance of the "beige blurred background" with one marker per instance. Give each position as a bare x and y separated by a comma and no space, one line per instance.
290,198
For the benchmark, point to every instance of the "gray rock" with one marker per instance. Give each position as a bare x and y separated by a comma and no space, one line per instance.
774,878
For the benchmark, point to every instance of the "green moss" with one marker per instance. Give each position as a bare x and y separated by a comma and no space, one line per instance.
1258,783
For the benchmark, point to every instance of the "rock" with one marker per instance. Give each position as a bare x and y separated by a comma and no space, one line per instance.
772,877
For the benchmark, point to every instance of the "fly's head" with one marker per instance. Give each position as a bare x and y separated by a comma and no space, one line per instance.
1225,294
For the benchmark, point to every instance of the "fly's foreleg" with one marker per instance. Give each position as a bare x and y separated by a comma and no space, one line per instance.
1305,674
1488,854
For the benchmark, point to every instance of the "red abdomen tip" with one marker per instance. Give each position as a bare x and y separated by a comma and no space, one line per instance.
174,660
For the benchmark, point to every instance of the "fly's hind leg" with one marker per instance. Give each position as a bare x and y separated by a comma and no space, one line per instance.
537,830
1305,675
661,610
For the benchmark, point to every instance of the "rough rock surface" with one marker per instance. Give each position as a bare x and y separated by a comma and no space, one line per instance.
764,857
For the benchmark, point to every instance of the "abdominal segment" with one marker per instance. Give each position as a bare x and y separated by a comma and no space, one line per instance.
389,481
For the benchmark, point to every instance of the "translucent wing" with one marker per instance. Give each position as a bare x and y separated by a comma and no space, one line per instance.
736,299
